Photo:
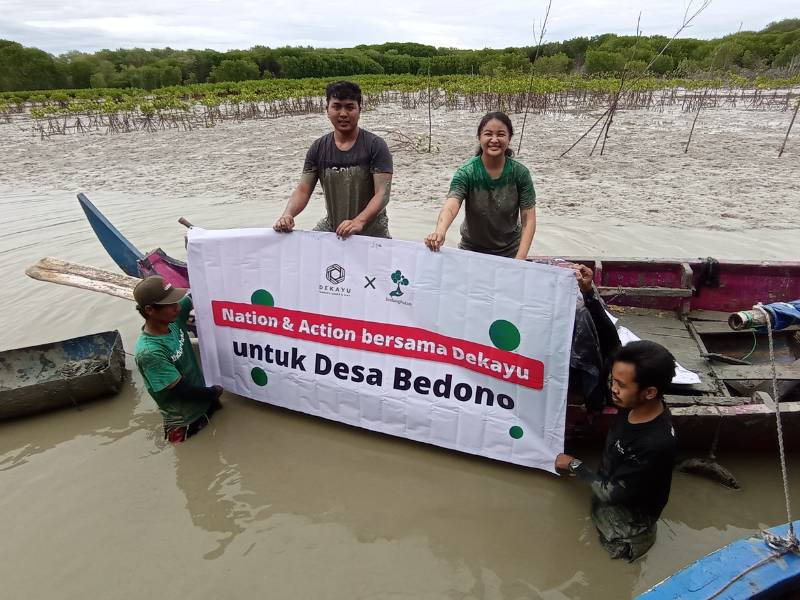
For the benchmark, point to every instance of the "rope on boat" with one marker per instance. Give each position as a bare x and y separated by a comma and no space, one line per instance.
776,542
750,569
779,545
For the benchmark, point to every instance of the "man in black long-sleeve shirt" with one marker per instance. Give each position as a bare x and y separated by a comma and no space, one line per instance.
631,487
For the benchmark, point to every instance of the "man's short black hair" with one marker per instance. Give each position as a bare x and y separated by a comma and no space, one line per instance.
141,309
343,90
654,364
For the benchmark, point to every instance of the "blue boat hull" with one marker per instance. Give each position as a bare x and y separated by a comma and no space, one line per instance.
744,569
125,254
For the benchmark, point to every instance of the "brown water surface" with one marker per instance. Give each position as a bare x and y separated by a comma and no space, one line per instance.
269,503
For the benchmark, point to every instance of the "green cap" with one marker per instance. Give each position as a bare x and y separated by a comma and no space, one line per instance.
155,290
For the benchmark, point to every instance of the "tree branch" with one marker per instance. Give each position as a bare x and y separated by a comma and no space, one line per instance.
530,81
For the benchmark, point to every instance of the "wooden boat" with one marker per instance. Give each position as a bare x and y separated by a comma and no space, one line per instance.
58,374
125,254
747,568
682,304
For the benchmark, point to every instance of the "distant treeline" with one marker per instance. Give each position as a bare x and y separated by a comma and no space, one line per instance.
775,48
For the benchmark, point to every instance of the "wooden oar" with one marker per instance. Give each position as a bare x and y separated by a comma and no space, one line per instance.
84,277
183,221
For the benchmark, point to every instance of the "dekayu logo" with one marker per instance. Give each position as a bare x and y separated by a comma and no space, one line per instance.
335,274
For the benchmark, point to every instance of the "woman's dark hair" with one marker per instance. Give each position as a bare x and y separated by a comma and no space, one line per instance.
654,364
503,118
343,90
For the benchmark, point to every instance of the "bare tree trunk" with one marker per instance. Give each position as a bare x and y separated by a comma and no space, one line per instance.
689,141
608,126
700,106
794,116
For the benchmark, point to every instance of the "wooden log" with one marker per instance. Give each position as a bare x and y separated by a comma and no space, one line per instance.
724,358
661,292
703,350
677,400
709,315
53,270
742,412
758,372
714,327
785,386
764,398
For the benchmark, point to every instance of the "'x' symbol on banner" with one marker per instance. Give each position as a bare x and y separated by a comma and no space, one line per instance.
370,282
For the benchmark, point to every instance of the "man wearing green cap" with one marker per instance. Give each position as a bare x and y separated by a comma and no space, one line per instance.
167,362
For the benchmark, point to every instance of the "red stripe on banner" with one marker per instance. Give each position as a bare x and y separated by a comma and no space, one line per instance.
398,340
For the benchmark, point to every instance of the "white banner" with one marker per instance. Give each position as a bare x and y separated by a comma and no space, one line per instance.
459,349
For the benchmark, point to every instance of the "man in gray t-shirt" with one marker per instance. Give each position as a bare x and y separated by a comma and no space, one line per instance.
355,168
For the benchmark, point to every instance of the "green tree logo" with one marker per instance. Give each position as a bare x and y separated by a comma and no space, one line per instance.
398,278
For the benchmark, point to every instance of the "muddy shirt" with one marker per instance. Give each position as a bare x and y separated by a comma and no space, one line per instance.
636,467
347,181
631,487
491,223
638,458
161,359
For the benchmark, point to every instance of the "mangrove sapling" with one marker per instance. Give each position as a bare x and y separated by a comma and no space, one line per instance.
399,141
189,107
430,119
794,116
694,122
615,102
615,98
687,20
530,81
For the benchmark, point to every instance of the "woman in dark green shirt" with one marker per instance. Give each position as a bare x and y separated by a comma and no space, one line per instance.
498,191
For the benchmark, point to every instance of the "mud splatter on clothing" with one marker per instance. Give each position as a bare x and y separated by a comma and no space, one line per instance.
491,222
347,179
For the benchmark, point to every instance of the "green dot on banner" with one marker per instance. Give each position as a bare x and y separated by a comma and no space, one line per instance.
262,297
515,432
259,376
504,335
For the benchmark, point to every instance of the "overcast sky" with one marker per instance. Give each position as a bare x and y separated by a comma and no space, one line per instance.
88,25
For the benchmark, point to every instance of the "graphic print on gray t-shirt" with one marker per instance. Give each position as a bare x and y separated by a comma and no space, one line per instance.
347,181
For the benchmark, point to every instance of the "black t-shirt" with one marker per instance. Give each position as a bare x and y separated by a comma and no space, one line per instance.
637,462
347,181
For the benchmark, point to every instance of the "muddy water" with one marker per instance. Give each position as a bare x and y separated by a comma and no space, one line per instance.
267,503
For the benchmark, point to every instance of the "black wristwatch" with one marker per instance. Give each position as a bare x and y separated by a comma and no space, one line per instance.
575,464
